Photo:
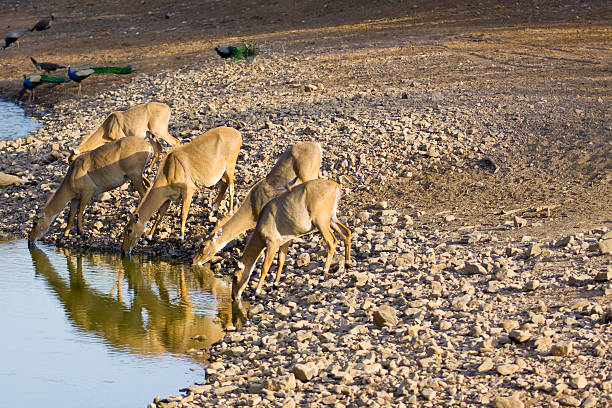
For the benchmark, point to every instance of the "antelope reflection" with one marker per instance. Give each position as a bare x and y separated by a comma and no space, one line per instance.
146,317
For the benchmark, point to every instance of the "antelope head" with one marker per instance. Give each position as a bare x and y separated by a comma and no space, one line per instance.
210,248
133,230
40,225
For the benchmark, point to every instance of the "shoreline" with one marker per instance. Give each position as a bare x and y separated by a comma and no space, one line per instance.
440,139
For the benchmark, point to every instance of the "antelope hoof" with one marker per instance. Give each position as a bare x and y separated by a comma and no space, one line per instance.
150,237
181,238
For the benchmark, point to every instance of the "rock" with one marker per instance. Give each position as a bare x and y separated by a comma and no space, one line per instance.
519,336
381,205
305,372
570,401
358,278
581,280
460,303
385,315
519,222
508,402
9,180
608,316
303,259
285,382
507,369
605,246
562,349
428,393
533,251
105,196
510,324
388,220
282,312
589,402
487,365
563,242
472,268
310,88
532,285
604,276
578,382
258,308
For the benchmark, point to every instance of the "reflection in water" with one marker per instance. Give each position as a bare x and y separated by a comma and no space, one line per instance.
140,307
97,331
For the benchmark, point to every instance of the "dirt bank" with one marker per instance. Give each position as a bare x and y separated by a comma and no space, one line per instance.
454,115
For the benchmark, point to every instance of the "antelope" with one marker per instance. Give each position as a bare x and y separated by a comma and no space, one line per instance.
92,173
136,121
301,162
304,209
205,161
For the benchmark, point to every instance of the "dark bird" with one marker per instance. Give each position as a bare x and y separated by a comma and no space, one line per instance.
237,53
13,37
82,73
43,24
31,82
79,75
46,66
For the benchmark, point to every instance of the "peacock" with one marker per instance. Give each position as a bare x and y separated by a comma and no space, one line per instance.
82,73
43,24
237,53
46,66
13,37
31,82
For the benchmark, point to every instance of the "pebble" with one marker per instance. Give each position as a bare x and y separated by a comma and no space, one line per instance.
508,402
385,315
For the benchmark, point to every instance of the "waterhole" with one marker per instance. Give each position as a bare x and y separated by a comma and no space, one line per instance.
98,330
14,122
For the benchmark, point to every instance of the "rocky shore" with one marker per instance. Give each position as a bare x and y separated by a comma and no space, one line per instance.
482,249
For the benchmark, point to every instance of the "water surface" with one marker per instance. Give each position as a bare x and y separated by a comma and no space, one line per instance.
14,122
101,331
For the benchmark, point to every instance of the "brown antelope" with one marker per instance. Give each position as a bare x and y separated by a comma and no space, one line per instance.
92,173
306,208
301,161
205,161
136,121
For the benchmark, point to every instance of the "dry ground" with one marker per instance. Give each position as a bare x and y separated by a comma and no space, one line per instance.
539,72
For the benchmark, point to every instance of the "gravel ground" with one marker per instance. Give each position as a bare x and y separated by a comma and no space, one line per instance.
476,166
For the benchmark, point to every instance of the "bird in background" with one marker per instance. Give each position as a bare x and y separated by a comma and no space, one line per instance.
237,53
44,23
46,66
13,37
80,74
31,82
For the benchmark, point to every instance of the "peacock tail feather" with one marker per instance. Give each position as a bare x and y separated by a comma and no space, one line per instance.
53,79
113,70
249,50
